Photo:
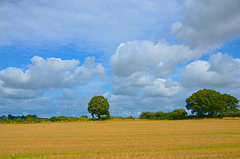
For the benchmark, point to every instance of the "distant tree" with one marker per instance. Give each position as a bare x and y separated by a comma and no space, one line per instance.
130,117
155,115
210,102
72,118
146,115
10,117
4,118
178,114
63,118
29,116
19,120
98,106
84,116
23,117
54,118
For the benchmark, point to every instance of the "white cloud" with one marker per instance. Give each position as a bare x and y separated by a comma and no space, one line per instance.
160,58
224,64
131,85
49,73
143,67
46,74
19,93
90,68
209,23
95,23
146,83
162,88
221,70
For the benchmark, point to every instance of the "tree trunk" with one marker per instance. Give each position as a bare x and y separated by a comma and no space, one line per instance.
99,116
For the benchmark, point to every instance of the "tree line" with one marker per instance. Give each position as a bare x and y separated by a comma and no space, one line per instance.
203,103
35,119
174,115
28,120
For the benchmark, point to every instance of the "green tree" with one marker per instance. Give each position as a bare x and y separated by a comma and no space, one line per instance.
98,106
231,103
210,102
30,118
5,118
146,115
54,118
10,117
19,120
178,114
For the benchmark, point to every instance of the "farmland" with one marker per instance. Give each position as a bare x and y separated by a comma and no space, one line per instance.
206,138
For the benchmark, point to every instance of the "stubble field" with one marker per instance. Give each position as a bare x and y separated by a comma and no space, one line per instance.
208,138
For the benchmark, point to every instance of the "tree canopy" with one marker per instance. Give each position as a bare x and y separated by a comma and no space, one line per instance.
98,106
210,102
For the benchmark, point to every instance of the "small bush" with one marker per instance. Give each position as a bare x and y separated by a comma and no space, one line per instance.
83,118
178,114
54,119
19,120
155,116
221,115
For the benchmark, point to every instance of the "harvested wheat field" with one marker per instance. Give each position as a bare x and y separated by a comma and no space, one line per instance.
208,138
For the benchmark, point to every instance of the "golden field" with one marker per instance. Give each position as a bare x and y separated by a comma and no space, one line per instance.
207,138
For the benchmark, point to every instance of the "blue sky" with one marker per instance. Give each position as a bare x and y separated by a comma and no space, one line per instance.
144,55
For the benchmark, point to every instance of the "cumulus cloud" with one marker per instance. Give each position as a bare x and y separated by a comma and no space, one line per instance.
46,74
160,58
162,88
146,83
19,93
221,70
209,23
224,64
144,67
131,85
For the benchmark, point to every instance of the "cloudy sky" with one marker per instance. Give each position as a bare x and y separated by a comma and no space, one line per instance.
142,55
